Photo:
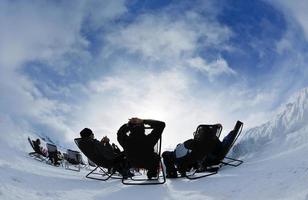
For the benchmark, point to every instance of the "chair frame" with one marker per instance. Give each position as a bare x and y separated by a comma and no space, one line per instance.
225,161
77,158
51,148
103,172
37,156
145,181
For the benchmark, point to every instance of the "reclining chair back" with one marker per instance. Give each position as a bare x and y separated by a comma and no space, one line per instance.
213,169
52,153
205,140
37,152
95,159
145,181
30,141
74,157
51,148
207,129
238,130
90,151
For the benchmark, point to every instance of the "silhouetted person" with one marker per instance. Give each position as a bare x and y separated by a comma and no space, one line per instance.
188,154
138,146
102,152
38,148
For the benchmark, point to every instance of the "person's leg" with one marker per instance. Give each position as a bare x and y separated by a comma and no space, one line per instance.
185,163
121,165
169,161
153,166
56,159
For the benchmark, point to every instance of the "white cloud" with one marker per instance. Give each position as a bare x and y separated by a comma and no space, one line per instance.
173,96
296,9
155,81
37,32
171,40
100,12
154,38
48,32
217,67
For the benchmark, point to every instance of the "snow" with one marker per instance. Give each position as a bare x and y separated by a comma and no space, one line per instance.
275,167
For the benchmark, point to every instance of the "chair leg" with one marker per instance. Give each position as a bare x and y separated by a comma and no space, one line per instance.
232,162
101,174
143,181
193,177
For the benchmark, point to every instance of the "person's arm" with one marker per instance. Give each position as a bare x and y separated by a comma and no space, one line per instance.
116,148
158,128
122,134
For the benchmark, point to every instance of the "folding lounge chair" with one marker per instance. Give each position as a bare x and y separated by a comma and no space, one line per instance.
228,160
207,126
141,179
52,153
100,172
223,159
36,154
73,158
208,129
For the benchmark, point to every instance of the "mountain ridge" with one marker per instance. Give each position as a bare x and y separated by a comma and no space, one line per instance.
287,128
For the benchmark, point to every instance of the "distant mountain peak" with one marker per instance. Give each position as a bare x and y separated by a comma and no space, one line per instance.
290,121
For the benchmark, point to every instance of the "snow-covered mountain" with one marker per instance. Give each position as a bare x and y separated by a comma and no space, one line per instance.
287,130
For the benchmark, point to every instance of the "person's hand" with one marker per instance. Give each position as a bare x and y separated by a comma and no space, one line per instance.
135,120
219,125
105,139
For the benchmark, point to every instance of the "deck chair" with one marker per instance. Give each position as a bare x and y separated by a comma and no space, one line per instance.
141,179
211,128
73,158
201,134
36,154
223,159
52,153
103,168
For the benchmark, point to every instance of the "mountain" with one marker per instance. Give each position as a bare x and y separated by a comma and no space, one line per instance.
287,130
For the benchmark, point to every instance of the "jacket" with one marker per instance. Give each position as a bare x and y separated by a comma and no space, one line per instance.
139,148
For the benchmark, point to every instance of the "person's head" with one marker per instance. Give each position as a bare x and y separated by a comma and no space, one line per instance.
38,141
136,128
86,133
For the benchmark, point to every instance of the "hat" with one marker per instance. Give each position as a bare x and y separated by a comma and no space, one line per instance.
85,133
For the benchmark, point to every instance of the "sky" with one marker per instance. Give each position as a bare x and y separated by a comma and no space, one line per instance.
66,65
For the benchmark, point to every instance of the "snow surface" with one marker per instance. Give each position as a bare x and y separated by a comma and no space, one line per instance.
275,167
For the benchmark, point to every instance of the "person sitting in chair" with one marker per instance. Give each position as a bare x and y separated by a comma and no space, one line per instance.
112,147
188,154
103,152
202,151
221,149
138,146
38,148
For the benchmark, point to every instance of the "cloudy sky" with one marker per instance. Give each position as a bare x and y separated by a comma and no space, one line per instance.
66,65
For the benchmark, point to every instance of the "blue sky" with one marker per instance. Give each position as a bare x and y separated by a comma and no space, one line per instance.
66,65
